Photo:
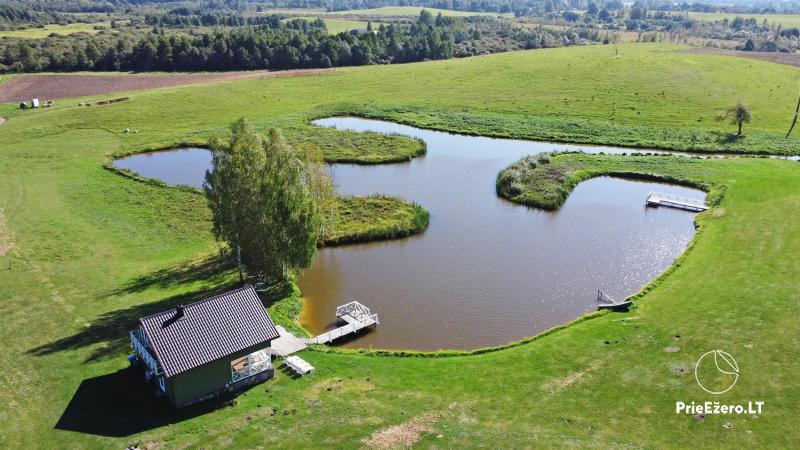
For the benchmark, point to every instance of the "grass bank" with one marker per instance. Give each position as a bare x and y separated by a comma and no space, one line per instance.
545,180
374,218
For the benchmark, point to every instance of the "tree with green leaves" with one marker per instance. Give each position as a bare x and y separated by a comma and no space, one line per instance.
268,201
738,115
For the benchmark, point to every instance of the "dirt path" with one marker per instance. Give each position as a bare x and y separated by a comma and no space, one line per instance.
789,59
52,86
6,241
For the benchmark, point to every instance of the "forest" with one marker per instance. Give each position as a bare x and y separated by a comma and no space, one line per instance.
277,45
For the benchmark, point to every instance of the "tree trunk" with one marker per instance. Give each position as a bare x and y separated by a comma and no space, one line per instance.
239,263
740,129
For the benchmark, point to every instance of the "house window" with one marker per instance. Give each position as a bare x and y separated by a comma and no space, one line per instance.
250,365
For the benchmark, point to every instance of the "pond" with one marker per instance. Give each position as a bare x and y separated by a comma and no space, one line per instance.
486,271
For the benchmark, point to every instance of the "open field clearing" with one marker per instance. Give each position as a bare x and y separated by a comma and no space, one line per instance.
335,25
47,30
87,252
339,25
785,20
54,86
413,11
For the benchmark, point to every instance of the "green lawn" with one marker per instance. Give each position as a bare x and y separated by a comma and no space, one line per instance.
85,252
413,11
785,20
64,30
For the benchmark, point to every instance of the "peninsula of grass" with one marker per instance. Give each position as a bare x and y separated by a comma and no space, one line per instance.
545,180
374,218
353,219
84,253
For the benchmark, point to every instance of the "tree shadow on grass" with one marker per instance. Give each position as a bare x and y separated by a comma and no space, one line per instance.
121,404
726,138
212,269
111,328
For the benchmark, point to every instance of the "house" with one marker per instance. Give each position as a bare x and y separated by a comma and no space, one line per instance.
198,351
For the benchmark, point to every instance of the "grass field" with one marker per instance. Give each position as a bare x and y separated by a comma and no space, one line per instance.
47,30
335,25
785,20
84,252
413,11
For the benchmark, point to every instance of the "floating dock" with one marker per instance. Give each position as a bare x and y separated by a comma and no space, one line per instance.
676,201
356,316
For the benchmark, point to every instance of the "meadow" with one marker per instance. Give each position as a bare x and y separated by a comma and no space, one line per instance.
336,25
84,252
785,20
413,11
47,30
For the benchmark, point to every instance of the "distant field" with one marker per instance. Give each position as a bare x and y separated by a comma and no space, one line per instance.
56,86
339,25
785,20
38,33
389,11
336,26
292,11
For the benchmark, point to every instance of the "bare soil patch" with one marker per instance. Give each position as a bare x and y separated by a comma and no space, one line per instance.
6,241
403,435
557,384
54,86
2,121
407,433
790,59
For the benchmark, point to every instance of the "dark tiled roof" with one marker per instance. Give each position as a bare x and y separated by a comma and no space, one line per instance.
208,330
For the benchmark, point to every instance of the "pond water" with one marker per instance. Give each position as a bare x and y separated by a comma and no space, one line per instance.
486,271
178,166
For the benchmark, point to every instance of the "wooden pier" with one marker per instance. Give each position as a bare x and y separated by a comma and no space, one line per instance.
356,316
676,201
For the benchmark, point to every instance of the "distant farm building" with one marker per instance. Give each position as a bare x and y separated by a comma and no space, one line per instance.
198,351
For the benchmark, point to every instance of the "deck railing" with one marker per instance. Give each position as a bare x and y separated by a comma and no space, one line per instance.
141,350
257,362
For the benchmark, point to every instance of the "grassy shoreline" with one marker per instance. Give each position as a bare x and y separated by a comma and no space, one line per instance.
545,181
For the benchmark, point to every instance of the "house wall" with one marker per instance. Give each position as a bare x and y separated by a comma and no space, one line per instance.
206,379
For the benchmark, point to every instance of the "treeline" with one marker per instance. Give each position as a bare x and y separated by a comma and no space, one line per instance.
279,46
208,19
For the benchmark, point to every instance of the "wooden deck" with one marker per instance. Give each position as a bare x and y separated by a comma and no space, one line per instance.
287,343
356,316
676,201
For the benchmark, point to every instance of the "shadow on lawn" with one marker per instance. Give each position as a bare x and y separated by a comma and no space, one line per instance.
212,269
121,404
111,328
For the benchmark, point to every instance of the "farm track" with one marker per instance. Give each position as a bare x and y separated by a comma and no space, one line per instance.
57,86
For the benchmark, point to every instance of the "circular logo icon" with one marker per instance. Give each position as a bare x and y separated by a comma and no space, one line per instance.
716,372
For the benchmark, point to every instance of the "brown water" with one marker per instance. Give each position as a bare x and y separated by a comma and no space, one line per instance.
486,271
